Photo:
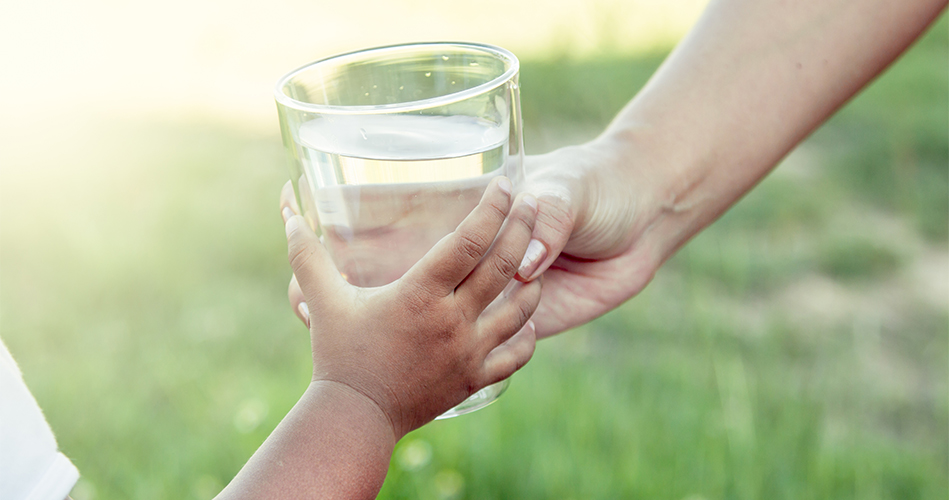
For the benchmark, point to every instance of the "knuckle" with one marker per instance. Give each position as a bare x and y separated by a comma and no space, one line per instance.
498,208
299,254
471,246
524,310
526,218
416,299
505,263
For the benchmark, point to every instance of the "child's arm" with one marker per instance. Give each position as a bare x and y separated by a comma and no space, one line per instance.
388,360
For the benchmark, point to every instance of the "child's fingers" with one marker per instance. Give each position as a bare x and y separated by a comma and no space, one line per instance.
500,265
508,314
298,301
457,254
315,272
510,356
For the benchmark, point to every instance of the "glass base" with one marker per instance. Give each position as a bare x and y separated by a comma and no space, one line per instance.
478,400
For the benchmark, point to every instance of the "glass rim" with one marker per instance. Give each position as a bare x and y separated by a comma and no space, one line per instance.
506,55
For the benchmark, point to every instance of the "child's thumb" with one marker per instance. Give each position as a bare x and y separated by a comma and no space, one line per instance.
311,263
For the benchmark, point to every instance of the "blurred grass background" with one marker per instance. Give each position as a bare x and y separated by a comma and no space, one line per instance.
799,348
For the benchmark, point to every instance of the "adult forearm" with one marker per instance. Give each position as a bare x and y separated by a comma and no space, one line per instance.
334,443
751,80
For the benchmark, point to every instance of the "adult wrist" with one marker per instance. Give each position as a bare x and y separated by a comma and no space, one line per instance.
660,177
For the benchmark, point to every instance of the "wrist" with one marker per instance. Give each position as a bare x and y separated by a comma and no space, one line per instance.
350,404
669,176
652,177
334,443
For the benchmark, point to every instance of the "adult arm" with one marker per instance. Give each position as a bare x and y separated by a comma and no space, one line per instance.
750,81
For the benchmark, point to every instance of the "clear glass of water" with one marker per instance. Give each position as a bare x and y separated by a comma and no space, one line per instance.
391,147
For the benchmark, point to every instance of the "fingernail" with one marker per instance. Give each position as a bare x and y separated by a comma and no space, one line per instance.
292,224
287,213
536,251
505,185
305,312
531,201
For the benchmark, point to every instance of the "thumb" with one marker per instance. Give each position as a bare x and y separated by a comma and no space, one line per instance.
551,231
311,263
556,215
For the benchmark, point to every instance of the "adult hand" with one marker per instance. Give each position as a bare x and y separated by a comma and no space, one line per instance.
594,207
711,123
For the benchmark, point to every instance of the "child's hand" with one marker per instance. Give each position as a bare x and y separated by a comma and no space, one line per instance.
422,344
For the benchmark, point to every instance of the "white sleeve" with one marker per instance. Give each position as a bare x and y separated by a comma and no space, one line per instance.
31,467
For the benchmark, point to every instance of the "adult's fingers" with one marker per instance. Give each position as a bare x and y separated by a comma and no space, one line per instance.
453,258
510,356
555,211
498,267
311,263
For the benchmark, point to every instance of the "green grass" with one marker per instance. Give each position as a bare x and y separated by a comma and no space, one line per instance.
854,258
787,352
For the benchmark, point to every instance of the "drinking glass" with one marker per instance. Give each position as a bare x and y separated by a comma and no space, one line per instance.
391,147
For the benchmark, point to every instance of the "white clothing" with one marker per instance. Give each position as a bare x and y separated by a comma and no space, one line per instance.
31,467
